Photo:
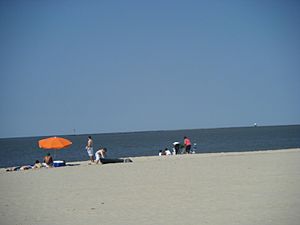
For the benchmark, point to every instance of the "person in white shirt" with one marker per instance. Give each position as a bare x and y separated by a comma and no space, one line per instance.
89,148
161,152
164,152
101,153
167,151
176,147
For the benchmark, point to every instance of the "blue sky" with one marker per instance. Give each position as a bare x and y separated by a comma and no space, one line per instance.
114,66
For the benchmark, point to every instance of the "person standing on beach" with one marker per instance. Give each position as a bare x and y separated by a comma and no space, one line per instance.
187,145
89,148
176,147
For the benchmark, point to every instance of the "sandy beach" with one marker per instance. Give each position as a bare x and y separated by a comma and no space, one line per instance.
220,188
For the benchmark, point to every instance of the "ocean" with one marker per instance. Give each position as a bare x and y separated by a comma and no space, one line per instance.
24,151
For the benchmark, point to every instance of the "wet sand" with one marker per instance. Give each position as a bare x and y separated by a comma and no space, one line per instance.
219,188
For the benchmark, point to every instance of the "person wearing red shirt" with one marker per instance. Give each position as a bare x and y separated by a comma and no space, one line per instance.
187,145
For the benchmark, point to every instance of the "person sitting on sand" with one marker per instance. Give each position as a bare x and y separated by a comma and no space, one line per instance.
161,152
37,165
101,153
48,161
167,151
164,152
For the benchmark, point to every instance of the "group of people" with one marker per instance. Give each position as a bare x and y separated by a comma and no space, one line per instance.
186,148
101,153
48,162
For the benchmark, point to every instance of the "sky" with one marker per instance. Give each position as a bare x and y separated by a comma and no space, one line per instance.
118,66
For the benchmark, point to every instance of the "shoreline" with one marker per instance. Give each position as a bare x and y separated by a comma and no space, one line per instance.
138,158
238,188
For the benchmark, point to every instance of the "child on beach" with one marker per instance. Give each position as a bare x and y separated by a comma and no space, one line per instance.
101,153
89,148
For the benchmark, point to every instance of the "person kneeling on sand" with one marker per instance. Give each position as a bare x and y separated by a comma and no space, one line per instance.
101,153
48,161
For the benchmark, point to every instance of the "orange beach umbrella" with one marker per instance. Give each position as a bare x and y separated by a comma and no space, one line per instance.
54,143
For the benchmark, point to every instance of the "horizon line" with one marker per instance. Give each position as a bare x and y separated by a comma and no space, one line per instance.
143,131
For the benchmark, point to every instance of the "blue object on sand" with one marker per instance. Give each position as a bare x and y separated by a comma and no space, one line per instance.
59,163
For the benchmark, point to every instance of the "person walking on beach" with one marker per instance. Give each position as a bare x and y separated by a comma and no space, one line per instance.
187,145
89,148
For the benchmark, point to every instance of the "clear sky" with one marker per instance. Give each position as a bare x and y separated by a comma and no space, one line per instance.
115,66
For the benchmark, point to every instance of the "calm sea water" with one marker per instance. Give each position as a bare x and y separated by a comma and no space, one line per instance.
22,151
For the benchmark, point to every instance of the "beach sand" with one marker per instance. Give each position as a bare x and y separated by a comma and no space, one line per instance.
219,188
